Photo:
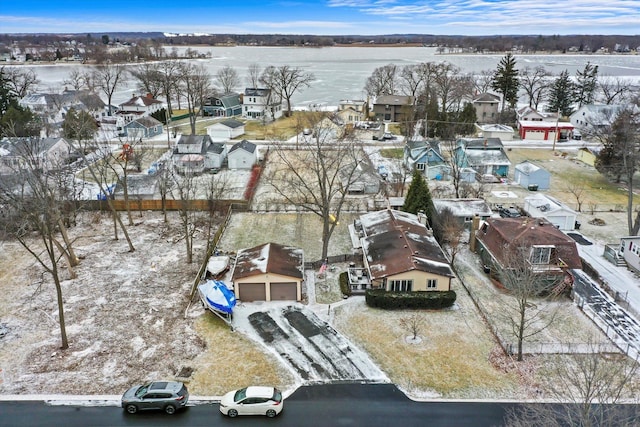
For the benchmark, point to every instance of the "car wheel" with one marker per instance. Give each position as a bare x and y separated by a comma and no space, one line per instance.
232,413
271,413
131,409
170,409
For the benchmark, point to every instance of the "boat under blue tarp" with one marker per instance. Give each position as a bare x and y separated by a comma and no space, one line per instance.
217,297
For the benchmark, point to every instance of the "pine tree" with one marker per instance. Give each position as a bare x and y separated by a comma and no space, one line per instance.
419,197
505,81
585,85
560,95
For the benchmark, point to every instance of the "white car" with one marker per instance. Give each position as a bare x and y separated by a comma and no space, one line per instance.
254,400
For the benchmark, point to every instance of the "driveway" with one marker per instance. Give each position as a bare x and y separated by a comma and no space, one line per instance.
313,350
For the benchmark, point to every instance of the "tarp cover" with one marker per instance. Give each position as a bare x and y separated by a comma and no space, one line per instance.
216,296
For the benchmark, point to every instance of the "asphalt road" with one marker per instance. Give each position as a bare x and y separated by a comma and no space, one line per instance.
330,405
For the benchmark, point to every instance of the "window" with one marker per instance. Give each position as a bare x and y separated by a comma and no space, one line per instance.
401,285
541,254
432,283
420,166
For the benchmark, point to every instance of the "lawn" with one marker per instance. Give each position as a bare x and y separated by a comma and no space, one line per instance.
567,172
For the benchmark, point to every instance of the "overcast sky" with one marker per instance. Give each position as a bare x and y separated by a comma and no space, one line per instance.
328,17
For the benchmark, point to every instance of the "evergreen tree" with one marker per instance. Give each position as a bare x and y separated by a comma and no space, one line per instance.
419,197
14,119
560,95
585,85
79,125
505,81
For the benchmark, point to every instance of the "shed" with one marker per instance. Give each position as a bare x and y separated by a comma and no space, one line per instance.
558,214
242,155
268,272
588,155
225,130
531,176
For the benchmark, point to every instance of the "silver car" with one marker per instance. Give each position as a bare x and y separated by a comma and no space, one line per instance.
168,396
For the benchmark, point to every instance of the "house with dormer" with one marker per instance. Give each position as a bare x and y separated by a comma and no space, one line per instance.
425,157
549,253
484,155
352,111
228,105
261,104
138,106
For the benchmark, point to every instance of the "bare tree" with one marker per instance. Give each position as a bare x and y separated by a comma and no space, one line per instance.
99,171
318,177
524,308
107,78
613,90
149,78
285,81
589,389
253,76
21,81
449,230
413,323
184,190
577,190
197,86
411,79
482,82
382,81
535,83
228,79
77,79
33,215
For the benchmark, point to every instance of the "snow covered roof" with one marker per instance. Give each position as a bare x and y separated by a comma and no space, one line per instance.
397,242
269,258
500,233
464,207
528,167
543,205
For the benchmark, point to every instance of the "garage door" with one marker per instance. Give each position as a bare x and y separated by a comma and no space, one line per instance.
286,291
252,292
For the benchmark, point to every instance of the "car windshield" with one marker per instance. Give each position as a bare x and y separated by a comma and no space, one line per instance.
240,394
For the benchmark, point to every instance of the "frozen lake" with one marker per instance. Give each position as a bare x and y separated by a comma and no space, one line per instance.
341,72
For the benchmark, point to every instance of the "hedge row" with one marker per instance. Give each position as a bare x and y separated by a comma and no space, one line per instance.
344,284
409,300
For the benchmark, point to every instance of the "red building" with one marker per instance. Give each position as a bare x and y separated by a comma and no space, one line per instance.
545,130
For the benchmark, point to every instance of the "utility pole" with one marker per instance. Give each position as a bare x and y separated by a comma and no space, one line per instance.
555,135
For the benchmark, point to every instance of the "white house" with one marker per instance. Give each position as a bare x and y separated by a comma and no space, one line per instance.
630,248
504,132
558,214
225,130
242,155
261,104
43,153
598,116
138,106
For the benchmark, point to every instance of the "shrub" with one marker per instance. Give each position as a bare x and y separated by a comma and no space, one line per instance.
344,284
381,298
